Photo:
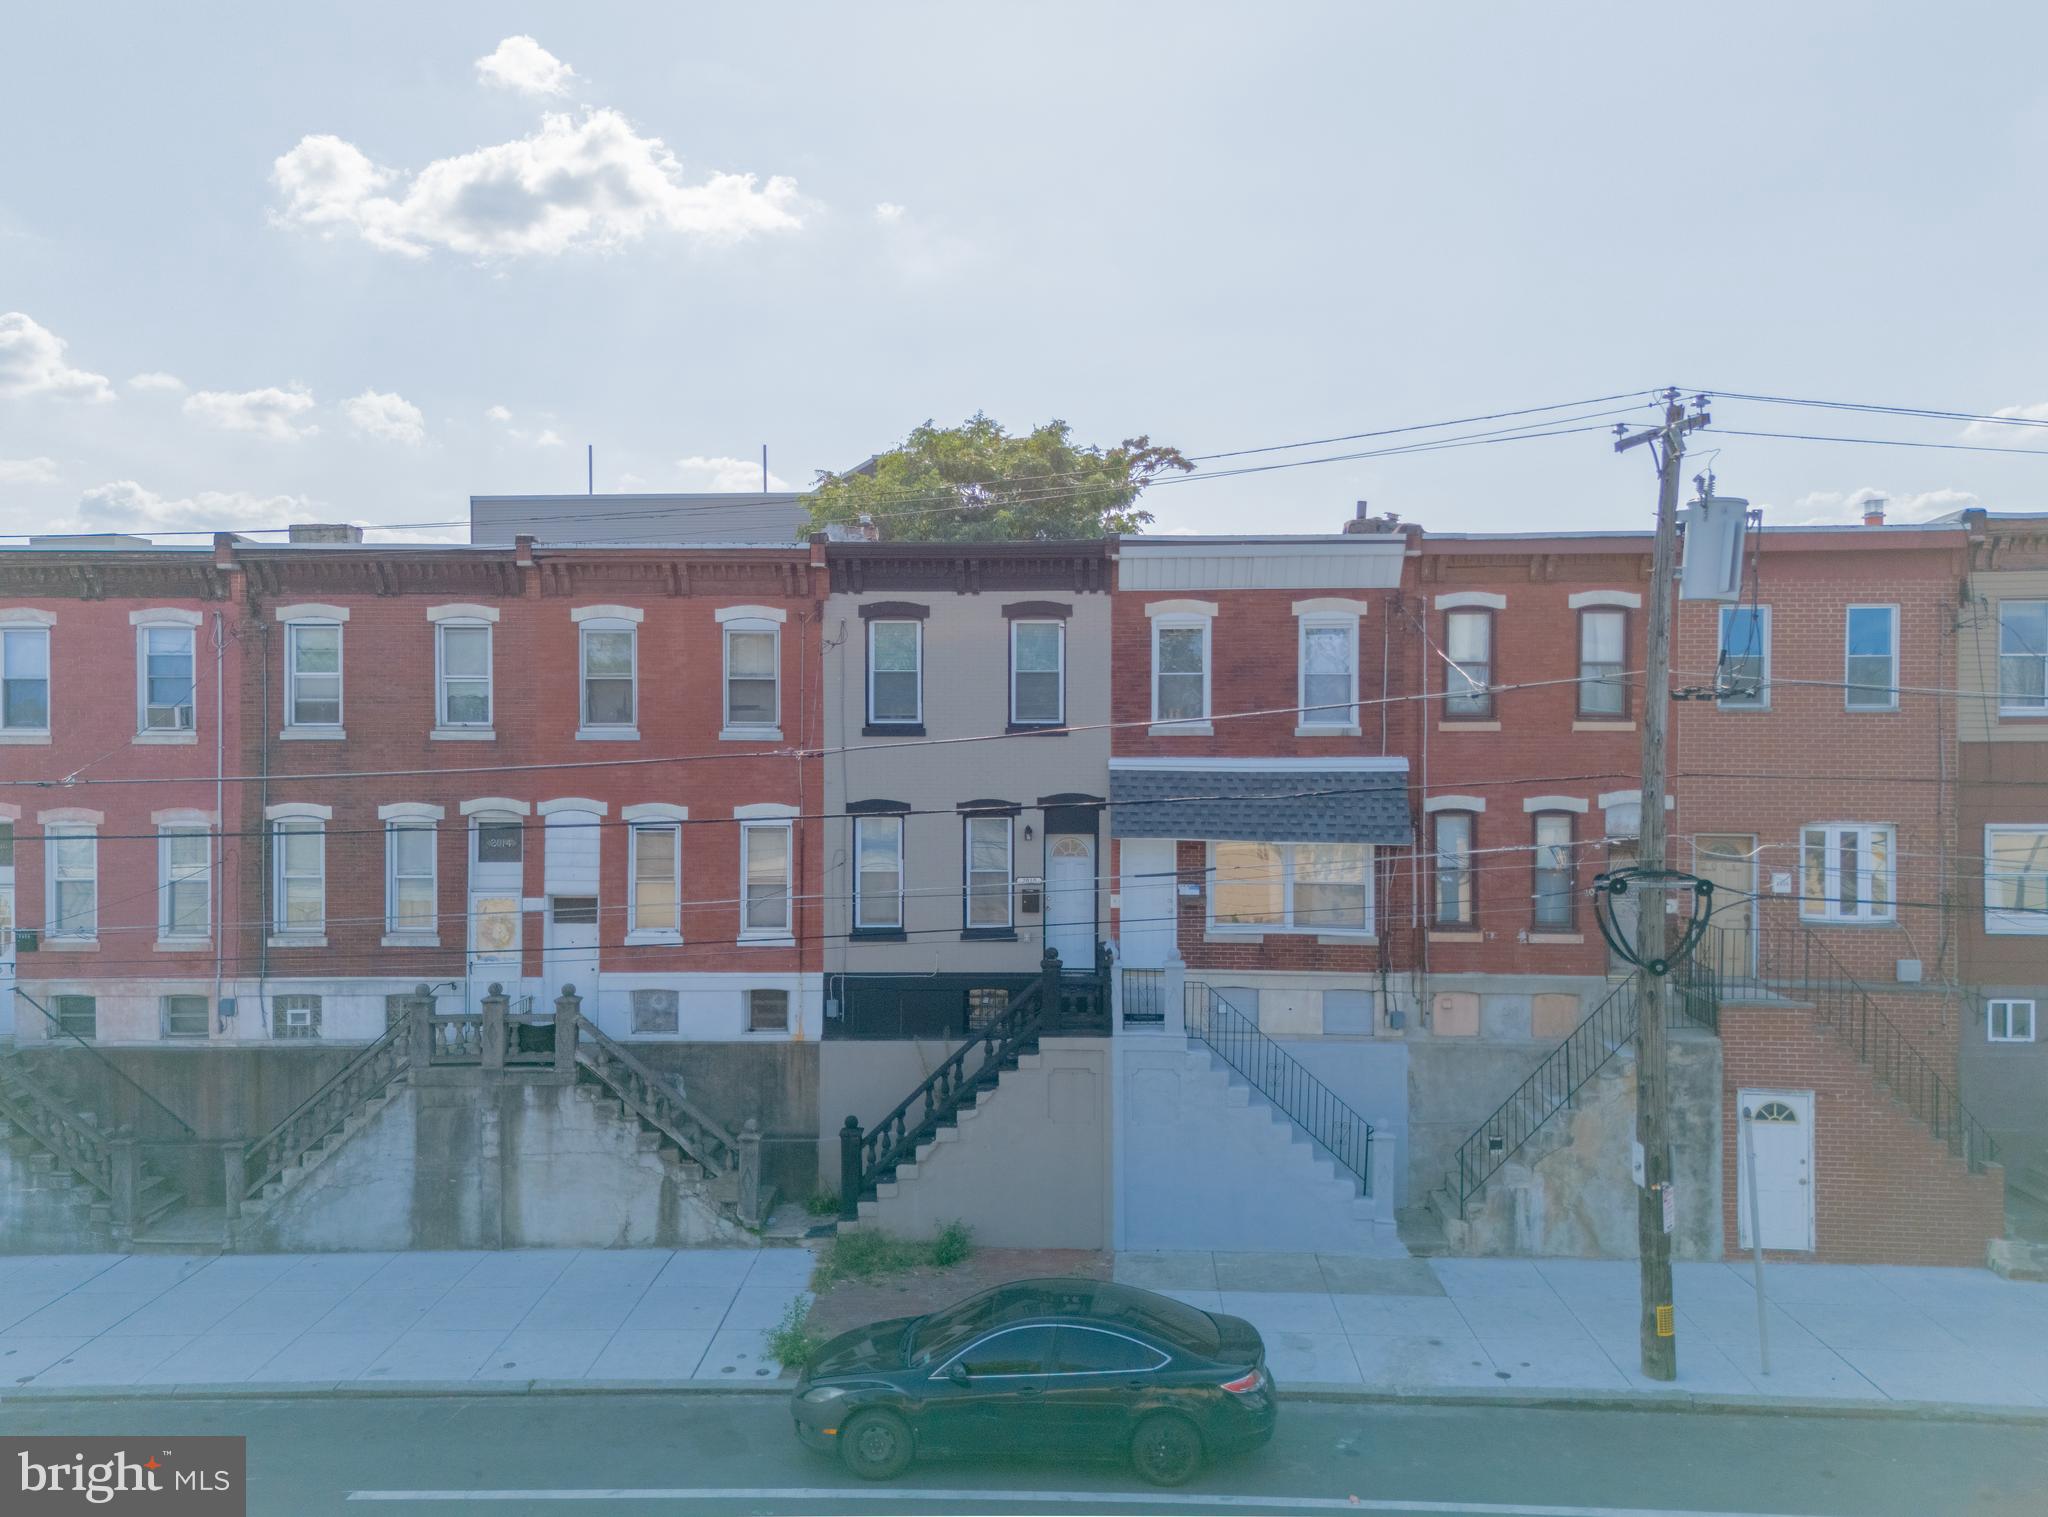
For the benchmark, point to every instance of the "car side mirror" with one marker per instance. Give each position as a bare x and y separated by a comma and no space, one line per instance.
957,1373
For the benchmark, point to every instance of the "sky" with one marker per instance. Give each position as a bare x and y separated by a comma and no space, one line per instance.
265,263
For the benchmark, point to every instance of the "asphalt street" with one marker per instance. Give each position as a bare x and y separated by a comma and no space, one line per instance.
624,1455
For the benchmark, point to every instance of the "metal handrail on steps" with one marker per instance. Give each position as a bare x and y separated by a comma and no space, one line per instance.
700,1136
112,1068
365,1077
867,1158
1282,1079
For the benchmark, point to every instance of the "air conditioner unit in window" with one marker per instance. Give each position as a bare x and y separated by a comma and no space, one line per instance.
169,719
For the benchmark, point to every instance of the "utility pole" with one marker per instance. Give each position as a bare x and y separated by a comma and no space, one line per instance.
1653,1091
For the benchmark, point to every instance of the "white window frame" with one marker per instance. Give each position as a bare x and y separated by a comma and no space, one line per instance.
2009,921
55,831
2010,1005
875,718
1286,926
1826,910
638,829
967,872
1849,687
146,623
1060,671
1171,725
2000,656
757,620
295,620
585,727
1345,718
759,819
1763,694
885,819
410,816
166,927
283,934
26,623
163,1013
443,723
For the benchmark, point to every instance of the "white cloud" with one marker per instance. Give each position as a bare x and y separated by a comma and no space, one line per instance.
392,418
548,439
734,474
156,379
523,65
2012,437
32,363
122,505
1834,507
500,415
888,213
28,471
271,411
591,182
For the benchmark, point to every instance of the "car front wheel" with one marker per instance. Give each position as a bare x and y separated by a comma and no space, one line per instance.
1166,1450
875,1445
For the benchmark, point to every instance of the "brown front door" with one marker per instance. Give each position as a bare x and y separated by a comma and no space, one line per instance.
1729,860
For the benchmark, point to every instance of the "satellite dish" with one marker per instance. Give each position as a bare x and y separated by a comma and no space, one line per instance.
1715,528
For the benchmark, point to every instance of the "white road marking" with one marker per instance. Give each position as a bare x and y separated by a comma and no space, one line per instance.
903,1496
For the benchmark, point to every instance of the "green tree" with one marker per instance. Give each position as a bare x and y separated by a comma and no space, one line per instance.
977,483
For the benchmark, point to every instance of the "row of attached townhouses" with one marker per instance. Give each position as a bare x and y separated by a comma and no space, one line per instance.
596,883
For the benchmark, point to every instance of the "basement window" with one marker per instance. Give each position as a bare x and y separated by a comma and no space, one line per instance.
77,1016
654,1011
186,1016
767,1011
295,1016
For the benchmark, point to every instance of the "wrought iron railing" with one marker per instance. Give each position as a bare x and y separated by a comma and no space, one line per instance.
1779,963
1601,1034
657,1100
1144,995
1282,1079
868,1158
365,1077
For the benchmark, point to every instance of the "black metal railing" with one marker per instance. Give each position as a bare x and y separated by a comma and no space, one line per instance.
1601,1034
1144,995
1282,1079
866,1159
1695,996
1796,964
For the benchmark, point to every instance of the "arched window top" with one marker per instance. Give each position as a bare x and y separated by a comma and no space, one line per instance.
1776,1111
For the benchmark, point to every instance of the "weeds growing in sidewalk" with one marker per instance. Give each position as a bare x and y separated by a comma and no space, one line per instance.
791,1341
823,1203
868,1254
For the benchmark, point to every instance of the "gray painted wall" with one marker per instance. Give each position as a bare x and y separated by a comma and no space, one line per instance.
966,693
2005,1085
1371,1077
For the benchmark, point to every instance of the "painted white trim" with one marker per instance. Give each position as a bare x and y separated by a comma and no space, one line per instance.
1609,799
1454,803
162,615
462,611
26,616
1554,803
308,810
9,812
654,811
1181,608
750,614
574,803
310,611
1374,764
607,614
1331,605
185,816
70,816
1579,600
411,811
760,809
1458,599
494,803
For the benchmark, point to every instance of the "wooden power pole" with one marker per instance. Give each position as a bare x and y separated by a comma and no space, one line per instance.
1653,1092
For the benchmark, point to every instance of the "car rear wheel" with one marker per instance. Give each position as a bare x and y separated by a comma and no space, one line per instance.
875,1445
1166,1450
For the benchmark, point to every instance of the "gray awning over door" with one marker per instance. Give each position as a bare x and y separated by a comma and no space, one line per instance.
1261,805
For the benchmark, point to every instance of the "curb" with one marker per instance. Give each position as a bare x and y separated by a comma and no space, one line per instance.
1676,1401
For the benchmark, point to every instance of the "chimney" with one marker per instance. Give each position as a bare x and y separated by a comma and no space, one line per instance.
1362,523
324,532
1873,511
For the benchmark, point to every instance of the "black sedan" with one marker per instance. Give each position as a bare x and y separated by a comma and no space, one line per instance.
1069,1366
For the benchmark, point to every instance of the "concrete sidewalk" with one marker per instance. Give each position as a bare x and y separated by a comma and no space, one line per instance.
1837,1332
1841,1335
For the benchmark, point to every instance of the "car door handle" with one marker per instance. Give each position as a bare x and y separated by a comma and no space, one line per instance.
1031,1390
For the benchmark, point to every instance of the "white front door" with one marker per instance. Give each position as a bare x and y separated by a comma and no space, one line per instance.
1147,901
1779,1126
1070,899
572,950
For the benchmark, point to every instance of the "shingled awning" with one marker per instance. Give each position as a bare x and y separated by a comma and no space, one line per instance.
1335,804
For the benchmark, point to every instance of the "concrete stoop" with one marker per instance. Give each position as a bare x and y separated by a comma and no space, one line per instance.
44,1207
1210,1163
